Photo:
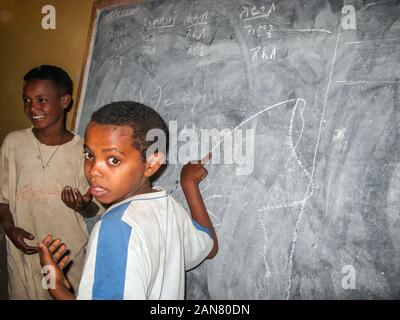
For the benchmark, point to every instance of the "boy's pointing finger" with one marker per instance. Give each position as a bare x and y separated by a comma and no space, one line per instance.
206,158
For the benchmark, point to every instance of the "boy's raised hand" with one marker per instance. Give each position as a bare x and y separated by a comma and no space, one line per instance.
191,175
74,200
194,171
52,254
79,203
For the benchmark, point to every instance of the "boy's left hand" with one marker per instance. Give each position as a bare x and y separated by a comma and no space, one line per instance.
74,200
53,253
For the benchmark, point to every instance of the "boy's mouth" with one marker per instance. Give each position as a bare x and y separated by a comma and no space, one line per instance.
38,117
97,191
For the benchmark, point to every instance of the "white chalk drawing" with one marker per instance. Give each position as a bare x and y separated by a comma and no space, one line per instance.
379,3
310,185
216,219
349,280
305,30
254,12
293,147
361,82
371,41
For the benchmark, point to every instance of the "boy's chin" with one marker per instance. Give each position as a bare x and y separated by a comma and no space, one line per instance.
37,126
106,202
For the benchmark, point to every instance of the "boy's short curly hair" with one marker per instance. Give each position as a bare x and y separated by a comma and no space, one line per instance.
56,75
139,117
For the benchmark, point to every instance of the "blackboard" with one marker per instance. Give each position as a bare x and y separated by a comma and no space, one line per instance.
307,92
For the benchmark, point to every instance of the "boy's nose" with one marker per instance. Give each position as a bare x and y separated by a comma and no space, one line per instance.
95,171
32,106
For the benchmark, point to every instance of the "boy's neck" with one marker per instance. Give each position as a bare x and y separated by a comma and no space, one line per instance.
53,136
148,189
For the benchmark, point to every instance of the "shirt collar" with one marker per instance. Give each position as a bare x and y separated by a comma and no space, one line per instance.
159,193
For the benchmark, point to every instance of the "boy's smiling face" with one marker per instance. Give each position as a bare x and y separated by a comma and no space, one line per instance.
114,169
43,104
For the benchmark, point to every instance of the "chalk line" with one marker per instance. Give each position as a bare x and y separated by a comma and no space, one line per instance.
257,17
249,119
293,154
161,27
372,40
267,272
354,42
305,30
300,217
360,82
197,24
378,3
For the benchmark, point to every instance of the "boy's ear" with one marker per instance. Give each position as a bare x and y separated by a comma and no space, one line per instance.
153,163
66,100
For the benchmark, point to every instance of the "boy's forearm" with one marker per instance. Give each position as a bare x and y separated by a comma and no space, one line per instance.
90,210
6,218
199,211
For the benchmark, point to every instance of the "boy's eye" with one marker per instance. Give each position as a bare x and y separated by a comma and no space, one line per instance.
26,100
42,100
113,161
87,155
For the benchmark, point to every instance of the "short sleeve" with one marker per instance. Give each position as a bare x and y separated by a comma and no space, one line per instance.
4,172
197,242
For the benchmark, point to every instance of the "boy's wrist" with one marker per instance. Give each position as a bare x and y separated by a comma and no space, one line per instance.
61,293
89,210
82,210
188,183
8,227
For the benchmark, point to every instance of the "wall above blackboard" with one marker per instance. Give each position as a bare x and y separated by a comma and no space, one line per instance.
299,102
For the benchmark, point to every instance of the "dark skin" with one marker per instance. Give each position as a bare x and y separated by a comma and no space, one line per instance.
45,106
15,234
83,204
56,251
110,159
191,176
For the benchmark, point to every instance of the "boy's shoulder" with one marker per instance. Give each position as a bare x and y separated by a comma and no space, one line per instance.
147,207
17,136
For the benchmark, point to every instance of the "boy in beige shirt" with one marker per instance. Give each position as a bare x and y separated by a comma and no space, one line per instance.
35,165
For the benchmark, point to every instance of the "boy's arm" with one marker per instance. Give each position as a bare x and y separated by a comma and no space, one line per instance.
15,234
191,175
82,204
6,218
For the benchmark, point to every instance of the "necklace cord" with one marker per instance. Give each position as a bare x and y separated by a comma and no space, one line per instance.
44,166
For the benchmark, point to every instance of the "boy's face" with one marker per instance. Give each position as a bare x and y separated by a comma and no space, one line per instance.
43,104
114,169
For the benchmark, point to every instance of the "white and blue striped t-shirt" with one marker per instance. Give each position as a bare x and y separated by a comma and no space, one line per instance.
141,248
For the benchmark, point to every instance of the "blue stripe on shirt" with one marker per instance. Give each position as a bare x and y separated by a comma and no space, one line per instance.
111,255
201,228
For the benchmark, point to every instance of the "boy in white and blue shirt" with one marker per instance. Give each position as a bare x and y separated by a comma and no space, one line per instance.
145,241
143,244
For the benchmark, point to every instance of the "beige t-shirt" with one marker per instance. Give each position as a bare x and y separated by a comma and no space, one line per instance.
34,197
